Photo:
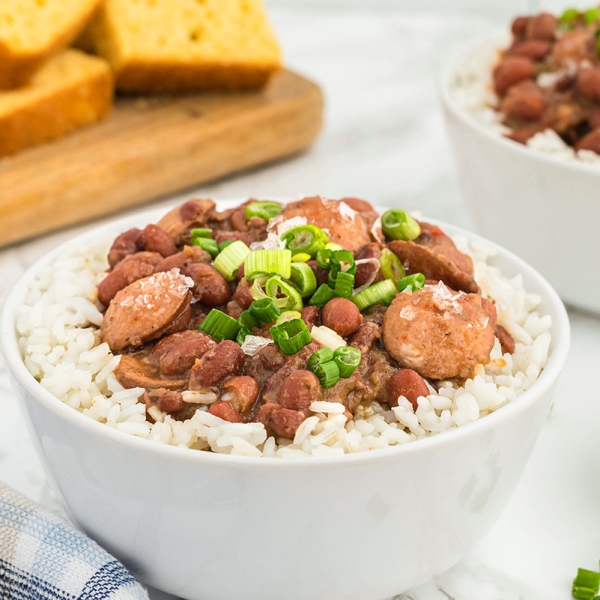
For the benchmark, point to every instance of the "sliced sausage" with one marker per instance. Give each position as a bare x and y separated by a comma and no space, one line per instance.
345,226
299,391
125,244
155,239
125,273
341,315
407,383
133,372
182,260
524,101
210,288
225,411
194,213
178,352
434,254
438,332
144,310
512,70
225,360
365,210
241,392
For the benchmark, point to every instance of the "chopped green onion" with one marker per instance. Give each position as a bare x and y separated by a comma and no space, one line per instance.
288,315
327,337
328,373
241,336
399,225
264,311
220,326
391,266
324,258
207,244
597,34
291,336
223,245
230,259
322,355
344,285
322,296
586,584
332,246
301,257
263,209
305,239
343,260
412,282
382,292
201,232
268,262
256,290
284,295
591,15
347,359
303,277
247,320
569,14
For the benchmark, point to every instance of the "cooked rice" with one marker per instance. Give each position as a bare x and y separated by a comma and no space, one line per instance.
472,90
60,342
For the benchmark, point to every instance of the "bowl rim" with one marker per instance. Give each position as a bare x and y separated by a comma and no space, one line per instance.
450,68
16,366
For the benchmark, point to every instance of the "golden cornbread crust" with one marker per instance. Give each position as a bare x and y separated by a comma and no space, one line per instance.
17,65
52,104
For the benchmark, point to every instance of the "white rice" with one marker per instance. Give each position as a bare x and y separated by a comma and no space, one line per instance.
60,342
472,90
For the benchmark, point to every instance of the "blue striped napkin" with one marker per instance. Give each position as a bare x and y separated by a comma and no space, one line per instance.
44,558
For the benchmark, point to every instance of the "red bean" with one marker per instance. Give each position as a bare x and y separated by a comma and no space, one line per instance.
342,316
225,411
524,101
210,288
238,220
167,401
125,244
285,422
182,260
511,70
241,392
225,360
177,353
407,383
590,142
522,135
310,315
125,272
155,239
533,49
588,83
299,391
518,26
506,340
541,27
264,415
358,204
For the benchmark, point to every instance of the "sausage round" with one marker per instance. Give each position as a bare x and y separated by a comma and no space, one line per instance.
341,315
299,391
210,288
438,332
225,360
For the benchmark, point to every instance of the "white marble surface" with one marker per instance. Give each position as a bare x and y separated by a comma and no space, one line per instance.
384,140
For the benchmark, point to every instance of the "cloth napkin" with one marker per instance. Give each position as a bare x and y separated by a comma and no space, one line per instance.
44,558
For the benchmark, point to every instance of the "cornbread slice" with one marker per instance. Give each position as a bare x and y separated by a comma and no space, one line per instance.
173,45
32,30
70,90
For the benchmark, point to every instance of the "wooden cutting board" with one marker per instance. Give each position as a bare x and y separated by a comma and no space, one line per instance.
150,147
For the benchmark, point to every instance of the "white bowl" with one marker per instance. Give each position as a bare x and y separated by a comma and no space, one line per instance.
542,208
363,527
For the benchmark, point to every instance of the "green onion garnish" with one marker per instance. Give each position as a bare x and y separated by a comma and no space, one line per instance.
291,336
288,315
305,239
569,14
412,282
322,355
301,257
241,336
263,209
332,246
328,373
264,311
597,34
207,244
247,320
347,359
284,295
342,260
399,225
591,15
303,277
382,292
324,257
344,285
322,296
200,232
220,326
391,266
268,262
230,259
223,245
586,584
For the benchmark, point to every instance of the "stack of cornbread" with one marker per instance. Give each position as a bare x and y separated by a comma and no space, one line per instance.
138,46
